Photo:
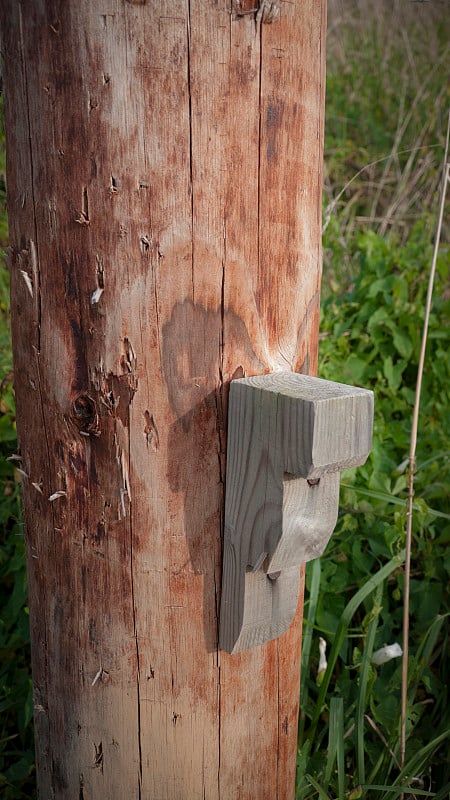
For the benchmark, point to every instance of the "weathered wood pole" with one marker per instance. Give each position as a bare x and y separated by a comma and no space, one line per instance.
164,193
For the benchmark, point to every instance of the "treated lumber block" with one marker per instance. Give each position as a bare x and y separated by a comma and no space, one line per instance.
289,436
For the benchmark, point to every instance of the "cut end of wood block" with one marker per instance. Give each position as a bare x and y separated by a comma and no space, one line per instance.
325,426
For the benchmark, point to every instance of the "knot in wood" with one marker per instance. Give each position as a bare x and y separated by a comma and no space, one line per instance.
266,11
85,416
271,12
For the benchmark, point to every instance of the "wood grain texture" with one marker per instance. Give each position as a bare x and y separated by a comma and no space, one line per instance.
289,436
164,193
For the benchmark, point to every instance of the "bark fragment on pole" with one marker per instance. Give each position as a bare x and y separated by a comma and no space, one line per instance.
289,437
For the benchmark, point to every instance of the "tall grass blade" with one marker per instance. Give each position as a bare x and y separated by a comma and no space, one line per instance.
302,762
424,653
336,745
314,568
340,754
341,632
395,791
323,795
433,459
363,683
430,638
390,498
414,765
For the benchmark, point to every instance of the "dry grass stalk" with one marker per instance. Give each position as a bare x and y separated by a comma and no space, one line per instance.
412,452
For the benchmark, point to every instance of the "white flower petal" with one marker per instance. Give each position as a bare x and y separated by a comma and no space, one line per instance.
322,655
386,653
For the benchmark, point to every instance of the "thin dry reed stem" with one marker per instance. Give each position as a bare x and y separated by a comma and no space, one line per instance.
412,454
329,210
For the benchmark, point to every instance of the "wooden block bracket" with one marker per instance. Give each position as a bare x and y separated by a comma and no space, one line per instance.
289,436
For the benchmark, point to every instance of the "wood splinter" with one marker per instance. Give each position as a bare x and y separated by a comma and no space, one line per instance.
289,436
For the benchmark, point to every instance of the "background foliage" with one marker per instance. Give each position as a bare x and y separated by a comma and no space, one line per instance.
387,101
16,703
387,106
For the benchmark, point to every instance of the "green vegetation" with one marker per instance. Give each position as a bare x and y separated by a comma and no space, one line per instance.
16,702
385,135
387,104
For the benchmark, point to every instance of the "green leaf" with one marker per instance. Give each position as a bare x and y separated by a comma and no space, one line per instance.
402,343
7,430
20,769
356,368
393,372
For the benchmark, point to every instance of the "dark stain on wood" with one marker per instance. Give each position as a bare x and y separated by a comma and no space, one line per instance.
190,371
101,532
59,779
70,279
84,573
274,119
92,631
80,376
122,389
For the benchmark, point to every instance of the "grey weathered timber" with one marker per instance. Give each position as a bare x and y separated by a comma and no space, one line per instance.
289,436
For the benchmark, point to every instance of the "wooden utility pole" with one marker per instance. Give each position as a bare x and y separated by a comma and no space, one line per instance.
164,196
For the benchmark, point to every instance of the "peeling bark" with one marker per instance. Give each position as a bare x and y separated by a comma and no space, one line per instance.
164,193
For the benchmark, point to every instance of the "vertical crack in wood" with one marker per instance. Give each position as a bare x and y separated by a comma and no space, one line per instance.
222,302
155,294
34,248
85,205
320,132
219,705
278,719
191,153
220,410
135,632
258,232
37,289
